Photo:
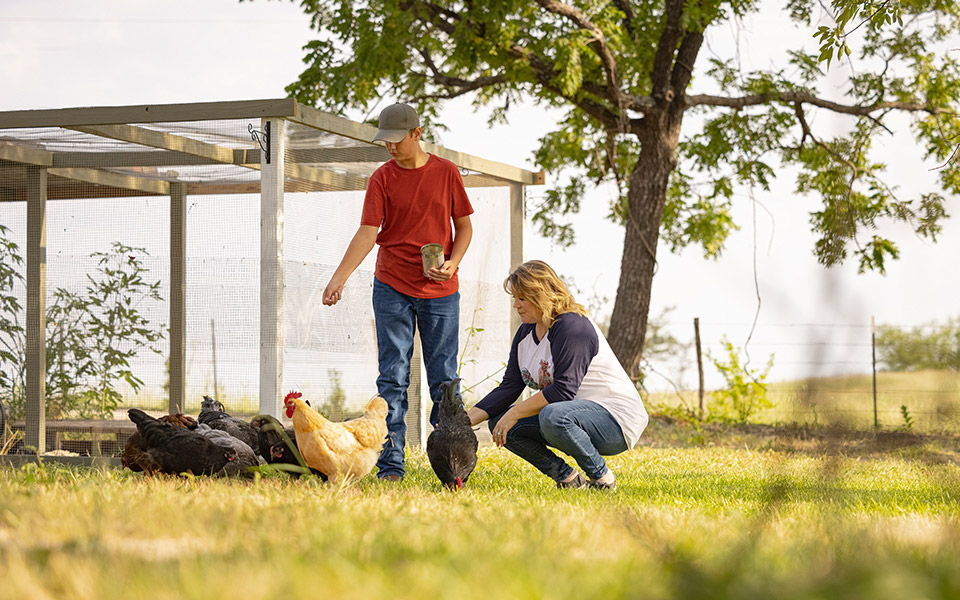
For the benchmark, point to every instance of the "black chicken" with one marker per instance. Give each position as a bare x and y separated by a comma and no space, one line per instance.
135,457
176,450
246,456
452,446
272,446
212,414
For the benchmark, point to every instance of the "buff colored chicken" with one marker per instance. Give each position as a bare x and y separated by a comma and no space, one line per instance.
343,451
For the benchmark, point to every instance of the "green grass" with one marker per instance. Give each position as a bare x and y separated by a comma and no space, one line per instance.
932,399
738,520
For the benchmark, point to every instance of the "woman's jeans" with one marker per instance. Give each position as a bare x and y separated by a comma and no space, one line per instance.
582,429
397,315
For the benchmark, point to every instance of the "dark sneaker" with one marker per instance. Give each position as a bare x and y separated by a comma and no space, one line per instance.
392,478
577,482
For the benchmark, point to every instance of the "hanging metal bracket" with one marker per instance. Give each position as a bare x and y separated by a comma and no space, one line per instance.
262,138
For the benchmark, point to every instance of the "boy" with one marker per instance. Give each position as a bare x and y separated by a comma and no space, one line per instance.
410,201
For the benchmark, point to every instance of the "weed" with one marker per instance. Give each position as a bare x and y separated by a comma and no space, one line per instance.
907,419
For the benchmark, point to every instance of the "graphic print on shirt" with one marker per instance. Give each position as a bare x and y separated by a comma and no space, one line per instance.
544,378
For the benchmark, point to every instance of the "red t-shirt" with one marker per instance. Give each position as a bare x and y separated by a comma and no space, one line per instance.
413,207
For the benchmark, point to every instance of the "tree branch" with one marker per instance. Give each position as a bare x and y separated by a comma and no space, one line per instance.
544,70
603,51
686,57
854,169
807,98
628,16
666,47
463,85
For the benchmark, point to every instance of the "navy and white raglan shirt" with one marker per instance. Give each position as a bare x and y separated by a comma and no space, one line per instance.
572,362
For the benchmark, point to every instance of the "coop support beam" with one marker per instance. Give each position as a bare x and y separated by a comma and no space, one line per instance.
324,121
517,211
36,367
149,113
178,297
117,180
271,270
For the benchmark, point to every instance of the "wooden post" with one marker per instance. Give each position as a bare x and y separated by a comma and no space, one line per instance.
873,349
213,346
271,269
36,421
517,211
178,298
696,331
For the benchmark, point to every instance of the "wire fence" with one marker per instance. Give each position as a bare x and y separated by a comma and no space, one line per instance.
812,373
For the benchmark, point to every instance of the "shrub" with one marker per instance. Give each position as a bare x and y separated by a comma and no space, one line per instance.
745,393
91,336
926,347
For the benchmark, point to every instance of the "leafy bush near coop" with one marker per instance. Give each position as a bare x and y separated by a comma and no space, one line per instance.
11,331
91,335
745,392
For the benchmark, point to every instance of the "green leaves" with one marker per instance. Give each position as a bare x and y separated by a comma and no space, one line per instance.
745,392
92,335
851,15
930,346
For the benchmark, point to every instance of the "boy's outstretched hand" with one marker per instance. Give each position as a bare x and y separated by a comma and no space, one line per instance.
332,293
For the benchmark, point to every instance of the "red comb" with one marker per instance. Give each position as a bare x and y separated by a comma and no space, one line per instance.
292,395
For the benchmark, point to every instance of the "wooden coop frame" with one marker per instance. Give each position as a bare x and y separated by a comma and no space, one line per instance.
44,175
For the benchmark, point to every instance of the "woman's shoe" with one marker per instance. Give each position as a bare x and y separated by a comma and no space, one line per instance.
596,484
577,482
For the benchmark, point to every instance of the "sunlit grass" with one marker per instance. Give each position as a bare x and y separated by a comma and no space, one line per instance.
685,522
931,398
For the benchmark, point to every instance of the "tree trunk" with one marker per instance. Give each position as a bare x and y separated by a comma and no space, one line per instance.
645,202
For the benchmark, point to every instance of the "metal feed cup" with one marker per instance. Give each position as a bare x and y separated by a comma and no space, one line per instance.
432,255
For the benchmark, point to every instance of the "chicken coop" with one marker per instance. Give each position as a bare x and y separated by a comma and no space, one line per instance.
151,255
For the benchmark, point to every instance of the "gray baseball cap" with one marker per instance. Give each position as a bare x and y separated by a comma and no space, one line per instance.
395,121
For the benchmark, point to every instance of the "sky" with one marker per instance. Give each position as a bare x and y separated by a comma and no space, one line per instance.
63,53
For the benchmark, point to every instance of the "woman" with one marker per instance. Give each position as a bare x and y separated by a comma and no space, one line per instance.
585,406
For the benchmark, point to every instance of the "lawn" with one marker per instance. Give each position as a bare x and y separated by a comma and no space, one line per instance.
931,400
754,512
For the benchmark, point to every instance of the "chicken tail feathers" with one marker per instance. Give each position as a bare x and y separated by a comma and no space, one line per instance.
151,429
451,403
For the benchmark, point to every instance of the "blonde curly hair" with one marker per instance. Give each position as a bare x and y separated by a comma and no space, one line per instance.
539,284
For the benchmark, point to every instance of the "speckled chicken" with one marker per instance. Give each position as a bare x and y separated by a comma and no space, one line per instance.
344,451
452,446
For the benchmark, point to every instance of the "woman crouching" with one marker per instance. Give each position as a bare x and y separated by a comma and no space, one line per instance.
585,405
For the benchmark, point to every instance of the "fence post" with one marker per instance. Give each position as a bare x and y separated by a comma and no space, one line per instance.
873,349
696,330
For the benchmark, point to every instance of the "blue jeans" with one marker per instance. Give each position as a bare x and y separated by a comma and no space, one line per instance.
582,429
397,315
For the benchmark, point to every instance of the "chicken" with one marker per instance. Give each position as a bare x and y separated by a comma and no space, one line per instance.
246,457
134,455
452,446
274,448
176,450
212,414
344,451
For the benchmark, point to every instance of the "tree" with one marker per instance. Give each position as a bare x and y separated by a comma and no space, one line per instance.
622,72
931,346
